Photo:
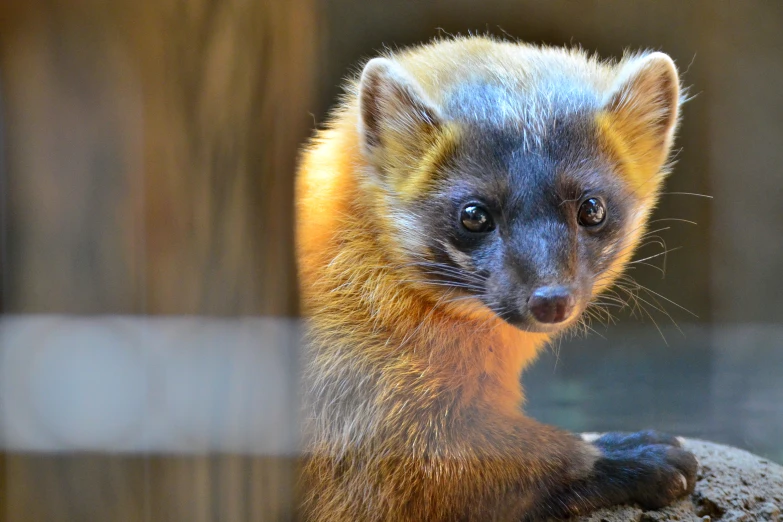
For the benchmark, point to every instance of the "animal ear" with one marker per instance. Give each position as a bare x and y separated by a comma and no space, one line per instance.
644,107
394,111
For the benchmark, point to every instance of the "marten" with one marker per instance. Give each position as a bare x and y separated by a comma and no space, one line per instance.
463,206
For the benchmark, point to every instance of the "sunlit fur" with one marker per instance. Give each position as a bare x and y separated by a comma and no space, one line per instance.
414,401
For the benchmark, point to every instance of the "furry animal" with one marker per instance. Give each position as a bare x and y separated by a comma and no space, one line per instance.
465,204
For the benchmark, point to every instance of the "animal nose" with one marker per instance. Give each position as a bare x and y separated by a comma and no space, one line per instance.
551,304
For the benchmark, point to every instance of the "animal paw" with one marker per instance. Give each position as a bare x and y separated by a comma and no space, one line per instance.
647,467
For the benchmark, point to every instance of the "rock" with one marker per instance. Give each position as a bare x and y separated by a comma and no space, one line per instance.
732,486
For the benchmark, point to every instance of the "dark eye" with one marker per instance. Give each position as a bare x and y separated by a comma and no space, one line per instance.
592,213
476,219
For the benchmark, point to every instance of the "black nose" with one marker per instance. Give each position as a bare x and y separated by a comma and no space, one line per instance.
551,304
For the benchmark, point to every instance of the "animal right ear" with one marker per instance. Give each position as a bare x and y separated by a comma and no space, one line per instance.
644,105
395,114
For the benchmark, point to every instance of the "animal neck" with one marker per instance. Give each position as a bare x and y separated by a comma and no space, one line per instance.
472,355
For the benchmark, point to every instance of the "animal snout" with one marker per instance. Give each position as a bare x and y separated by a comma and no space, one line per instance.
551,304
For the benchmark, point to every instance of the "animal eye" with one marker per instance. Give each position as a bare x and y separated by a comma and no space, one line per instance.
476,219
592,213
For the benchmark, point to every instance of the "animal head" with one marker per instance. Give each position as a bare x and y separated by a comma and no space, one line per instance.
516,178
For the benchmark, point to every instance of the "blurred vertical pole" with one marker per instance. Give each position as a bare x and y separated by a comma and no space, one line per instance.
226,87
150,157
151,152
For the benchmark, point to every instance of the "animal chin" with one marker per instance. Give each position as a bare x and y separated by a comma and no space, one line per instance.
523,320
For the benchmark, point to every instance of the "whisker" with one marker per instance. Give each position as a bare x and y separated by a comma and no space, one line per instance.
653,240
597,312
665,312
647,234
642,299
642,287
686,194
660,307
601,303
448,284
557,353
673,219
655,255
445,270
650,316
593,330
661,270
589,328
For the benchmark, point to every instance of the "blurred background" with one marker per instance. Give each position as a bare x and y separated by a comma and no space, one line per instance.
148,334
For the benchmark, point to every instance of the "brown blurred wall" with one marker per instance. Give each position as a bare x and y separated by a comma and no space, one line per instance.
149,151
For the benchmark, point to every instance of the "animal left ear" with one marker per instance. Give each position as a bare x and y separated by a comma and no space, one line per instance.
643,108
396,118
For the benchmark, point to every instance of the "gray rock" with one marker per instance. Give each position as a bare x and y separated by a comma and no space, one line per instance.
732,486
